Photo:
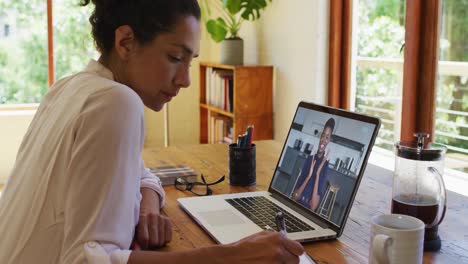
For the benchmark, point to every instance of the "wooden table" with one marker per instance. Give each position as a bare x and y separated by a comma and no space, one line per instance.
373,198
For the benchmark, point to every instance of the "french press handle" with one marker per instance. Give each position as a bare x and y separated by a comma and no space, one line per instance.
443,200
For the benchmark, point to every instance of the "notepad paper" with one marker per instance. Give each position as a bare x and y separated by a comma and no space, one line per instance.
305,259
168,174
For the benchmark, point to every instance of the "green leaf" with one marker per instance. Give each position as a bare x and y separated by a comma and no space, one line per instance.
218,29
233,6
251,8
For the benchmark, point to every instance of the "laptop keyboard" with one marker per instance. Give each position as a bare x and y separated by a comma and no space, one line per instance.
263,211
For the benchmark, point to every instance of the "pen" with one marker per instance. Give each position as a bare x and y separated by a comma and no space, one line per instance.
280,224
239,140
251,135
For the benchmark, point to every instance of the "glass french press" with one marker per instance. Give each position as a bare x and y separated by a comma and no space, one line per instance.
418,186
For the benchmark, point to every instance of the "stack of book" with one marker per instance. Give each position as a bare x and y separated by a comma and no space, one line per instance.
168,174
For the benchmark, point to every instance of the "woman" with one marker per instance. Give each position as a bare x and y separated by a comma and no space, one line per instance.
79,192
311,182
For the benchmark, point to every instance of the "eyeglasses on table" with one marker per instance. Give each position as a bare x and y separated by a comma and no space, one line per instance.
197,188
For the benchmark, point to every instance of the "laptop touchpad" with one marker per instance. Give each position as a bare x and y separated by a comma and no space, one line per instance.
221,217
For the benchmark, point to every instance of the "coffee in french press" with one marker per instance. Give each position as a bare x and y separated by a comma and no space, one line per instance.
418,186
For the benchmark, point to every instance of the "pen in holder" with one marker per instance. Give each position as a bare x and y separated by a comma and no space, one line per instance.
242,165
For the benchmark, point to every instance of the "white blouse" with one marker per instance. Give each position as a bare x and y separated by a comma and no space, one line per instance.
73,195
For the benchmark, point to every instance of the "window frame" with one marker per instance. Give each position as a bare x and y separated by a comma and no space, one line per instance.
419,70
339,53
50,44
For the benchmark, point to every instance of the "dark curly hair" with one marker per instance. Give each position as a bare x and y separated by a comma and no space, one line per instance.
330,123
147,18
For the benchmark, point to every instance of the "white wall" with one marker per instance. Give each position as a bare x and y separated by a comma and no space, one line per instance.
13,126
293,37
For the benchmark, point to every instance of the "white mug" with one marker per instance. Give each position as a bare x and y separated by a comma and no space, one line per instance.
396,238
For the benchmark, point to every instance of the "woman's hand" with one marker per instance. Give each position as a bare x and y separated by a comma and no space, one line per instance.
153,230
265,247
306,181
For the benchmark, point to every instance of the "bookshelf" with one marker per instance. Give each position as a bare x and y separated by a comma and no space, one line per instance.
233,97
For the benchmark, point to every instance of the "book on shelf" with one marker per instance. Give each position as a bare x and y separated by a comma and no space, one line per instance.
219,88
220,129
168,174
208,84
227,140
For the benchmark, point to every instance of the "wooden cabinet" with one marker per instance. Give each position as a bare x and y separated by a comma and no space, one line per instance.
250,102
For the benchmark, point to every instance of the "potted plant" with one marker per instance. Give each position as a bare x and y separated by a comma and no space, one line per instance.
225,28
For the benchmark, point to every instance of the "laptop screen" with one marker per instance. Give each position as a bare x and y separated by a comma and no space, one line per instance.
322,158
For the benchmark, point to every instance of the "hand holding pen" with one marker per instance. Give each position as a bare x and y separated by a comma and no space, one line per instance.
280,223
281,226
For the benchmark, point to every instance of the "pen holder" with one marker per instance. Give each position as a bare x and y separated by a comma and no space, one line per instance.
242,169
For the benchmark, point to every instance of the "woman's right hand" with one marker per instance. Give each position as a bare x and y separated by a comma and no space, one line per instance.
265,247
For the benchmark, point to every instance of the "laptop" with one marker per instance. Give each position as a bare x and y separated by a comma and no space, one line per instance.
314,184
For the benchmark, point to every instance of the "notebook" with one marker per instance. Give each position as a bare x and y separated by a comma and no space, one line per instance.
314,184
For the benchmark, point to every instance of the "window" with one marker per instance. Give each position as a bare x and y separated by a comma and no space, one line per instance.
24,48
379,74
23,53
378,77
451,119
73,43
395,73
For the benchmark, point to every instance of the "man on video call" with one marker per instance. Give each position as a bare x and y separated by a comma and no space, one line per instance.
311,183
